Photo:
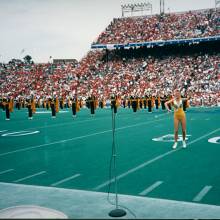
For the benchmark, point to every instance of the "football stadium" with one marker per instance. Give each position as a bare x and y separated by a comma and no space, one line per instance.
131,130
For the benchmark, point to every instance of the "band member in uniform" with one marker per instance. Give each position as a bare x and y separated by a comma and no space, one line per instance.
49,99
81,103
140,103
185,102
1,102
33,102
163,100
179,116
53,106
7,108
96,103
124,102
134,103
113,103
167,99
17,104
145,101
129,102
23,102
39,102
149,104
47,105
29,101
61,102
157,102
20,103
92,101
44,102
102,103
57,104
11,104
75,106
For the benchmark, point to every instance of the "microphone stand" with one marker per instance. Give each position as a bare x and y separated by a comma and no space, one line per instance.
115,212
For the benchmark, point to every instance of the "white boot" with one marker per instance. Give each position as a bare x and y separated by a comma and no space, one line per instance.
184,144
174,145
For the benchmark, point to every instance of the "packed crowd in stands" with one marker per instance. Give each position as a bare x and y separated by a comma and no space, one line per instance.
170,26
196,75
43,79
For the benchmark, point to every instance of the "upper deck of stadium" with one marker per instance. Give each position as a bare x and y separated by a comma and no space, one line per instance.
170,26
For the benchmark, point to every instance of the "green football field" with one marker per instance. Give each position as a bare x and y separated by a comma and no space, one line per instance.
74,153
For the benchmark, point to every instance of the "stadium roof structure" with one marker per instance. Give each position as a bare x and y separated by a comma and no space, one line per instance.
150,44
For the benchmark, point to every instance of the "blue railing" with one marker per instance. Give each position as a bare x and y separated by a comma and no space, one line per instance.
156,43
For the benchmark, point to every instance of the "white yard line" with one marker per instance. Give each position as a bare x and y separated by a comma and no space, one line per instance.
202,193
151,161
65,123
28,177
6,171
69,123
43,112
65,180
150,188
77,138
72,122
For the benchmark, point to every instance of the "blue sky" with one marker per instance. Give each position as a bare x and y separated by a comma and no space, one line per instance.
64,28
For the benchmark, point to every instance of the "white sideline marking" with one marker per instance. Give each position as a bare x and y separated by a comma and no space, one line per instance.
162,114
28,177
202,193
61,124
6,171
71,123
3,131
150,188
65,180
19,133
168,209
151,161
65,123
65,190
76,138
49,112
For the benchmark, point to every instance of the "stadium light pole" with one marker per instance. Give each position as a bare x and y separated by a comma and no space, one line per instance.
162,6
217,4
139,7
51,63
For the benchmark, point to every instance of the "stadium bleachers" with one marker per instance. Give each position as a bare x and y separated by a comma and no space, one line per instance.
185,25
134,71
